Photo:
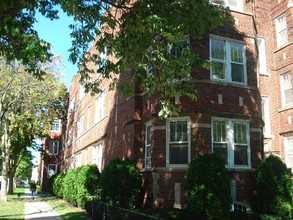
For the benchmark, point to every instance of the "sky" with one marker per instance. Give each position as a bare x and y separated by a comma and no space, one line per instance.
57,33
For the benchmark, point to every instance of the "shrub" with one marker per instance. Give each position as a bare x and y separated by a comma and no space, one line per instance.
120,183
58,185
69,186
274,188
50,183
208,188
87,184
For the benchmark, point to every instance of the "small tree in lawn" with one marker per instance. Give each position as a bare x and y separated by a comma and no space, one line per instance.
120,183
208,187
274,188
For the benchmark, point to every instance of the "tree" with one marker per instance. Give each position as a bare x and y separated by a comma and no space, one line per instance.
26,107
135,36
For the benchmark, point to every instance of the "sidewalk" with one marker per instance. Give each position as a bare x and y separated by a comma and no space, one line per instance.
36,209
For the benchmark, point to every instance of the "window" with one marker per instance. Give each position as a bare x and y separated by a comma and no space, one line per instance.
88,117
281,30
227,61
262,60
286,89
72,105
230,140
98,155
80,126
100,107
78,160
178,140
52,169
70,136
266,115
289,151
55,125
81,92
232,4
53,147
148,157
178,47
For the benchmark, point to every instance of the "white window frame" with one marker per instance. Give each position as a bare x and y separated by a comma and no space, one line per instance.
286,84
281,30
50,165
288,142
100,107
168,142
80,122
262,57
238,6
53,147
81,92
148,146
98,158
226,61
266,116
56,125
229,123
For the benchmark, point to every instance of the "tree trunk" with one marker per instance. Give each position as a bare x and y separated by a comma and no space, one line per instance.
10,184
5,156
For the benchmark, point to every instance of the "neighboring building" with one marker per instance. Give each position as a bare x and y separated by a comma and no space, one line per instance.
275,45
243,110
52,153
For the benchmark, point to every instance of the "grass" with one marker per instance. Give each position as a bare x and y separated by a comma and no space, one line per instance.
65,210
14,207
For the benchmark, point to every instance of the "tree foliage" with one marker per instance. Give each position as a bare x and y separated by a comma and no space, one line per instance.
27,106
208,188
133,36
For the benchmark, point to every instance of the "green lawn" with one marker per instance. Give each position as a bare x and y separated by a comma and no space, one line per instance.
14,207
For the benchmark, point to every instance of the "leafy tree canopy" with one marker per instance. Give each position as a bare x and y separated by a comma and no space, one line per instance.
139,36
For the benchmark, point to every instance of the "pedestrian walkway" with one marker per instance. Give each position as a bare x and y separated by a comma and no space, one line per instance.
36,209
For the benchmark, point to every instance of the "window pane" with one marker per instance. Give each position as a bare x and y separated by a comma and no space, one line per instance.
237,71
221,151
240,133
236,52
148,135
240,155
217,49
178,131
178,153
218,70
219,131
288,97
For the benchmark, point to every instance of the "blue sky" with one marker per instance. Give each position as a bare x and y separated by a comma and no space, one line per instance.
57,33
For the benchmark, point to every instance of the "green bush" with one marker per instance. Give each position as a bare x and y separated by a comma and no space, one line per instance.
50,183
120,183
87,184
58,185
208,188
274,188
81,185
69,186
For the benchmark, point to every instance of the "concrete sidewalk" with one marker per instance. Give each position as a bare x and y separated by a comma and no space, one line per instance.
36,209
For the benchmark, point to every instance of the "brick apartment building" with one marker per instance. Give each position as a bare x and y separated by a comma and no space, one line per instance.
243,110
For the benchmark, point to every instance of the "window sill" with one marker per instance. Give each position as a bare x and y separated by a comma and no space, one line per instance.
282,46
239,169
285,108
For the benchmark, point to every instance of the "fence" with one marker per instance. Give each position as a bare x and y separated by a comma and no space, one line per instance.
103,211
